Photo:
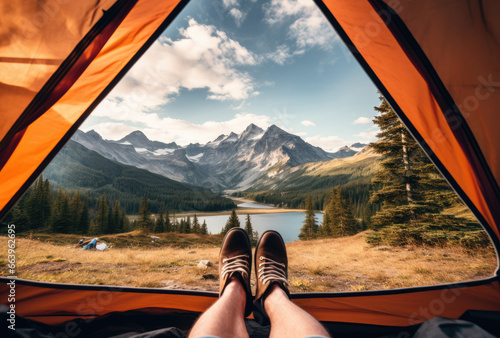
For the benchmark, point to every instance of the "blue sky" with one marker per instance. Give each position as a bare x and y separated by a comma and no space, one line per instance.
224,64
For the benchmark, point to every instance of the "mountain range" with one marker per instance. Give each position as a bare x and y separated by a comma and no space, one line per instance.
230,162
78,168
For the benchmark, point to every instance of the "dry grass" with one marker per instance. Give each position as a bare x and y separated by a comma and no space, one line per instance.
349,264
325,265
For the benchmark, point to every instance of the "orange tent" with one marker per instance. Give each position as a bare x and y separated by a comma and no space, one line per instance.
436,62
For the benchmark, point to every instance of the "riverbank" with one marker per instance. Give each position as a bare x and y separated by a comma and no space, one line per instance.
322,265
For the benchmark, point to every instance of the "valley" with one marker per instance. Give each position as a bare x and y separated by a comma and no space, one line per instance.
230,162
270,166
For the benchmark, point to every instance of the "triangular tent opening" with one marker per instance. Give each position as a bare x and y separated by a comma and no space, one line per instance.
447,104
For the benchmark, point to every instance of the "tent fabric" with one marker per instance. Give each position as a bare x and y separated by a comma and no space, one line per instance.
52,78
164,323
56,303
377,36
25,151
27,57
472,74
61,79
443,327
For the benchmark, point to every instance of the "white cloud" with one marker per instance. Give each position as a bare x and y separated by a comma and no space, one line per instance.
308,123
230,3
238,16
239,106
327,143
111,130
203,57
368,135
278,10
362,120
309,27
281,55
168,129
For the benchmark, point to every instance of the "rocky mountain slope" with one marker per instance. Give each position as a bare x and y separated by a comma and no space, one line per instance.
229,162
78,168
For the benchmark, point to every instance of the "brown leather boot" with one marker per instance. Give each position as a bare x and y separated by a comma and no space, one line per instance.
271,267
235,261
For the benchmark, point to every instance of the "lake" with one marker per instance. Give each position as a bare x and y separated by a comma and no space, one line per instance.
288,224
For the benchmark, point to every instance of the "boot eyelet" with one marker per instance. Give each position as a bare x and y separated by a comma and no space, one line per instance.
261,258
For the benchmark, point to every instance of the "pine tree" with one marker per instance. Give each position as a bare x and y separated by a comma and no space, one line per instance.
232,222
38,204
111,224
411,191
84,220
46,203
327,224
101,219
187,225
124,220
167,227
248,226
400,177
19,218
144,222
310,228
174,226
160,222
117,224
196,225
62,217
182,226
253,235
76,209
204,228
343,221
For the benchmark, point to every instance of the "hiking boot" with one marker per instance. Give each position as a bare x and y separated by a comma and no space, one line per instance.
271,267
235,261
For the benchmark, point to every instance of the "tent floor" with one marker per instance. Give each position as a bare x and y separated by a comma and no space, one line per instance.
149,323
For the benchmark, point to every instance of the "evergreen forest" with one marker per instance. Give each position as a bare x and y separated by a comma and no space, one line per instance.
406,203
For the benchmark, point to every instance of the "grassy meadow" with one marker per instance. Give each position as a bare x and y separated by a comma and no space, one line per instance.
322,265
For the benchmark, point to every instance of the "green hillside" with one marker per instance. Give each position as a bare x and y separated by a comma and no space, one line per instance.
77,168
291,186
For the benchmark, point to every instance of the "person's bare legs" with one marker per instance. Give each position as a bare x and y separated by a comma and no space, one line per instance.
289,320
226,317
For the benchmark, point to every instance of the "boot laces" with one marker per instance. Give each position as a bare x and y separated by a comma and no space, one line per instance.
237,263
271,270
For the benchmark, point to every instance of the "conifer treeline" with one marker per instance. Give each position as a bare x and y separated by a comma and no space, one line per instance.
43,209
358,192
165,222
59,212
338,218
